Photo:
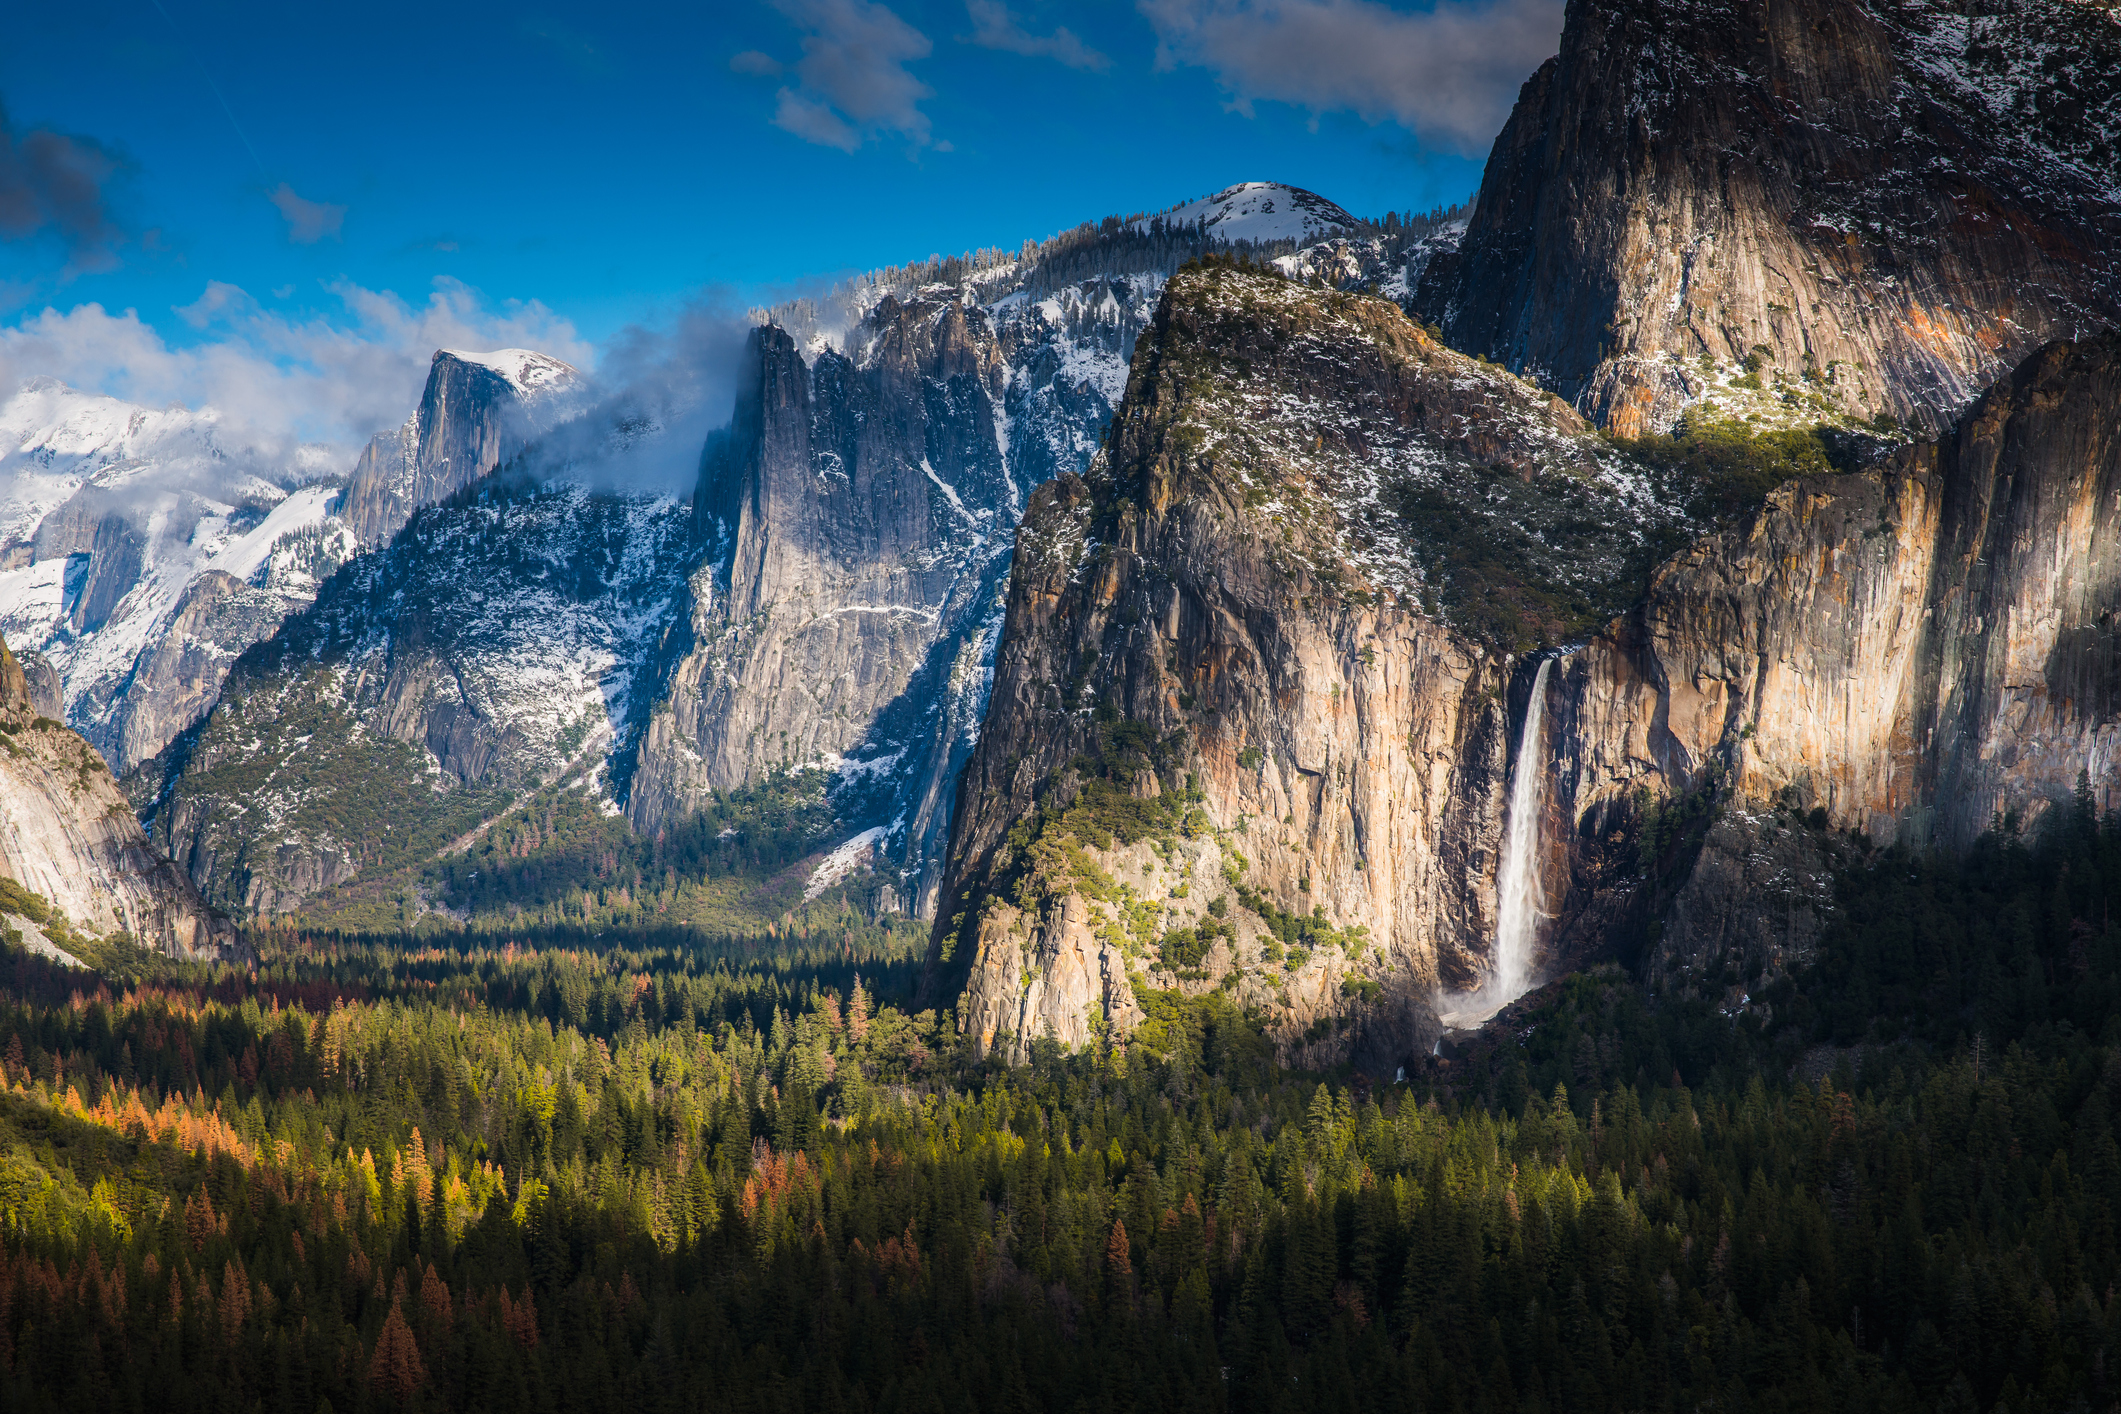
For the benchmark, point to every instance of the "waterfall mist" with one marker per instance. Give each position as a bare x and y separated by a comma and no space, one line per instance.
1520,902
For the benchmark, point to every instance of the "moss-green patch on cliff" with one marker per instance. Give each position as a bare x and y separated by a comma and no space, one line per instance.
1374,463
1526,561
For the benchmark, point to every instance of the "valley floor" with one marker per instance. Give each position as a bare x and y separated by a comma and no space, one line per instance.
562,1169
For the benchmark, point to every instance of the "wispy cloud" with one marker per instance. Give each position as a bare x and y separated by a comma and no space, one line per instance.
307,221
762,66
54,183
993,27
1449,73
330,380
851,84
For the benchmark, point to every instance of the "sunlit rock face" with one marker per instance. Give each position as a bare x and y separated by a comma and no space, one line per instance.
1243,738
1237,738
1879,208
1913,653
67,834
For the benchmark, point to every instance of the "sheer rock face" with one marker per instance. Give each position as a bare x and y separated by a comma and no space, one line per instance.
41,683
851,527
859,517
1234,585
474,411
1914,652
1843,189
67,833
1908,651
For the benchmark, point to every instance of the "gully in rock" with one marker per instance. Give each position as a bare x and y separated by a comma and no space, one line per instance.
1520,902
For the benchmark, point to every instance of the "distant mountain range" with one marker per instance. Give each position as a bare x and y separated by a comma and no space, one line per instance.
1242,596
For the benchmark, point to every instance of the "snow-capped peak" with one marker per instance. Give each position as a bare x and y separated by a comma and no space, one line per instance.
1261,212
530,373
53,438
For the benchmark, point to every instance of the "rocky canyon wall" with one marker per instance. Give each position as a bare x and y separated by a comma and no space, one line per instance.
68,835
1229,746
1914,653
1851,207
1244,738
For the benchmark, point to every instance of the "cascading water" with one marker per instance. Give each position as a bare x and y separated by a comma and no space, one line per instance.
1519,901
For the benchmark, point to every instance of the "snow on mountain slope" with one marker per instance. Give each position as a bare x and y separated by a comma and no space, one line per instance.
849,609
1259,212
55,439
529,372
839,600
114,514
497,644
140,551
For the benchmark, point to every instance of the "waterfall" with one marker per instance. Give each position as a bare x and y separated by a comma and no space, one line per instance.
1519,900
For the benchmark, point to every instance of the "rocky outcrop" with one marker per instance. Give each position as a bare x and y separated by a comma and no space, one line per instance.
1912,654
858,518
496,646
1853,207
475,410
1229,746
1238,739
68,835
41,685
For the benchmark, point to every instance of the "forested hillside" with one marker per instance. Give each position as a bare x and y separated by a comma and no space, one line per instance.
629,1171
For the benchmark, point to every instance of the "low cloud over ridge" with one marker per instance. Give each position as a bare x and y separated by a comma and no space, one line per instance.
281,381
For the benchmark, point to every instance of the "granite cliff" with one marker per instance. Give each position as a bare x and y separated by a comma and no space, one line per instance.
1245,733
1845,208
1245,736
857,520
78,864
1908,655
476,409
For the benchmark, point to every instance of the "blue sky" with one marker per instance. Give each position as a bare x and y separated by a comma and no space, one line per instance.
267,176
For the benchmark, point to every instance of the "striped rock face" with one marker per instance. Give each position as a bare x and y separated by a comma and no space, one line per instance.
1829,209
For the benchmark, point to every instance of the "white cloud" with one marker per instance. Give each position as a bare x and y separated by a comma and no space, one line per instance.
993,27
1450,73
277,380
813,121
851,83
307,221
